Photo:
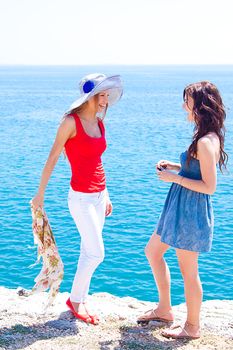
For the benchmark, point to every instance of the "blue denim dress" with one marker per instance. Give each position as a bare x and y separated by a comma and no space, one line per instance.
187,219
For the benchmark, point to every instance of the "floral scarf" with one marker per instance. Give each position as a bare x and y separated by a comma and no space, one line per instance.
52,270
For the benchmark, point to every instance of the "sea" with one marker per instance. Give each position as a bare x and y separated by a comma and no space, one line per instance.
148,124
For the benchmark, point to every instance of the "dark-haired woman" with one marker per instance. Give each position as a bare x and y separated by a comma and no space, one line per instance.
186,222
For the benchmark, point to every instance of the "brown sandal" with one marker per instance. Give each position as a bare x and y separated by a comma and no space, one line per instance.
184,334
153,317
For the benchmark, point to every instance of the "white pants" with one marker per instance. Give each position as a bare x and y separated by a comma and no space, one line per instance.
88,212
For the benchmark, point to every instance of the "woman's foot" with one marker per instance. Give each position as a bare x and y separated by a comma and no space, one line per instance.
79,311
95,318
80,308
188,331
156,315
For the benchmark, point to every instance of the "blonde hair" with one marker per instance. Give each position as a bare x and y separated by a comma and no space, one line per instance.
82,107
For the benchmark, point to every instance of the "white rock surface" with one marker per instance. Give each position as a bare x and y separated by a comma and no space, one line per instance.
25,325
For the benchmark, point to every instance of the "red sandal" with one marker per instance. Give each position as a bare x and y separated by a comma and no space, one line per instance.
86,318
94,319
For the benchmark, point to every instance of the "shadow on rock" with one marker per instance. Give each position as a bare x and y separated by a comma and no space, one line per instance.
20,336
142,338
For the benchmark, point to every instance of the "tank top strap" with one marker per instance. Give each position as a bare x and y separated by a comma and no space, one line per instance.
101,125
78,124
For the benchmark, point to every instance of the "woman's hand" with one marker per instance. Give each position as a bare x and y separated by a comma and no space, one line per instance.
37,201
109,208
167,176
165,164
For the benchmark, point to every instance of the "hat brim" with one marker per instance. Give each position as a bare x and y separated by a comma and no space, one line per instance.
114,86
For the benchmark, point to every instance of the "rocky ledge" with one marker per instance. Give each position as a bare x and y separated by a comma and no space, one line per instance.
24,325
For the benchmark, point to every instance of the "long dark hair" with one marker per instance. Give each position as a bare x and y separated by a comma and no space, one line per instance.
209,116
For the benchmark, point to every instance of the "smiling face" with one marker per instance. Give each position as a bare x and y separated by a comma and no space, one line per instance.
188,107
99,103
103,101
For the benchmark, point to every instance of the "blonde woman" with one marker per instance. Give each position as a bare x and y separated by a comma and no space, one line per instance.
82,135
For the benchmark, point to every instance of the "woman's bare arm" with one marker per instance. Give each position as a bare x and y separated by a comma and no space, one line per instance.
206,155
65,131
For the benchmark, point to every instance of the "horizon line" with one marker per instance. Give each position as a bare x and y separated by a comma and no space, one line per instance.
110,64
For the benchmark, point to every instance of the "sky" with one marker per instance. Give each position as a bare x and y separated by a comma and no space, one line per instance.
131,32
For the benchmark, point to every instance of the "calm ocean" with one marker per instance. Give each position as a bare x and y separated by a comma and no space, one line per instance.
148,124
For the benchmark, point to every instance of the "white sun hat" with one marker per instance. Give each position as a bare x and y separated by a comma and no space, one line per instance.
93,84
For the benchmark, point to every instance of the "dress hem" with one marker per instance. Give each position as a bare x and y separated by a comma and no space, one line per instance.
173,245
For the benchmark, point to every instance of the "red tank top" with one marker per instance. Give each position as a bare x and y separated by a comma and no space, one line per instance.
84,154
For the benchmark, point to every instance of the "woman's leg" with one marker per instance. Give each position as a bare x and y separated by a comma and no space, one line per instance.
100,207
155,251
188,262
83,211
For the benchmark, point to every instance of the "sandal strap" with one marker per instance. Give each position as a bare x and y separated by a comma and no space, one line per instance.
152,315
178,326
175,326
186,332
146,317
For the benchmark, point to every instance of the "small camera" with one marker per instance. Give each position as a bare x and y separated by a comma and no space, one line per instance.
161,167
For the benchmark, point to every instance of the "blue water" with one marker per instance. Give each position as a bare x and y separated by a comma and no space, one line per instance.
147,125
